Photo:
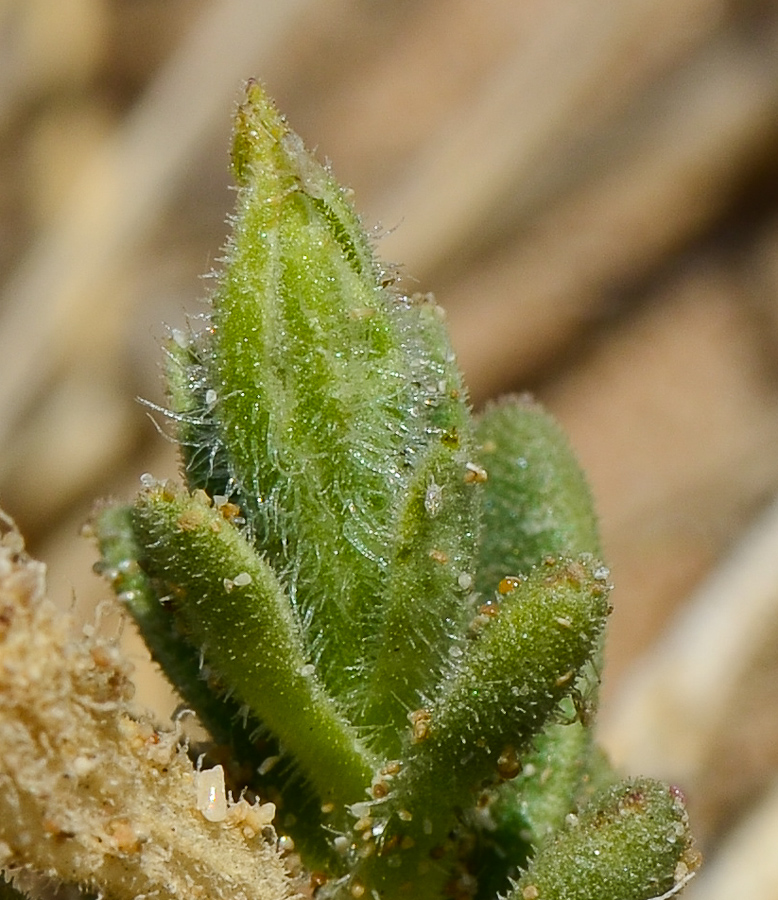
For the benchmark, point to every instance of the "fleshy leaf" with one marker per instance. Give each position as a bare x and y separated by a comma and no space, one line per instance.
523,658
234,608
631,842
536,501
312,394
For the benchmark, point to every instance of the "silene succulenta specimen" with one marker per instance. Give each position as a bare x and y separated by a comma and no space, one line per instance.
387,612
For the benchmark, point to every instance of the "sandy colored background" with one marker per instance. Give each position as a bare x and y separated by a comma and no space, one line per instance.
589,188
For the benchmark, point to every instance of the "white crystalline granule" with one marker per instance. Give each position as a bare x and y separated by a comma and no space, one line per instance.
465,581
242,579
433,497
179,338
211,794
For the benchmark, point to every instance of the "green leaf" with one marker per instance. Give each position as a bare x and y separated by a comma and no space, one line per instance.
631,842
523,658
234,608
536,500
314,393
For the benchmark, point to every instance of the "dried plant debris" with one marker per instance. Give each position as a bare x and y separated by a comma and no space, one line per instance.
93,795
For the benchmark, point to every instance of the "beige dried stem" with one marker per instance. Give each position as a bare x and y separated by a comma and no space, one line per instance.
91,793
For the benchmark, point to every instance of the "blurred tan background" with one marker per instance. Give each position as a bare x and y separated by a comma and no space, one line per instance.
590,190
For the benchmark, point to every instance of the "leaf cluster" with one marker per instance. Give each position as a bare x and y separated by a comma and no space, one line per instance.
388,612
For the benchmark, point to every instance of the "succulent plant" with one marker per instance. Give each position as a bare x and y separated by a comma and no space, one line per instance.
388,612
